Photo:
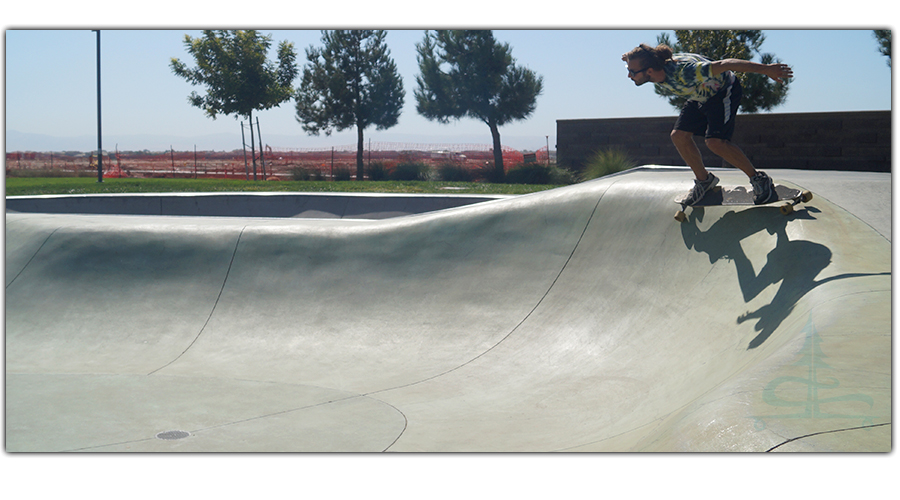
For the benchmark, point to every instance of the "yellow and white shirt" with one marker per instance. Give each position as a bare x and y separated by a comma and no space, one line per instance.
689,75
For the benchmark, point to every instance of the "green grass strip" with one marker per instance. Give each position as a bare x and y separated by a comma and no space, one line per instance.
26,186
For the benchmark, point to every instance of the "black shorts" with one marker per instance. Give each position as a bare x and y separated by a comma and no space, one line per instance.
714,118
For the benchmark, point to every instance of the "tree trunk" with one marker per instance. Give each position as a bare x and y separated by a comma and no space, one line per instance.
359,153
252,146
498,151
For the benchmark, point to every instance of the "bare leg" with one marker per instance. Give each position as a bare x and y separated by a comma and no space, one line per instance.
732,154
687,148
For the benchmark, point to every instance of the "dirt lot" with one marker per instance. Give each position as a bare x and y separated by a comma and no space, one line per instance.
272,165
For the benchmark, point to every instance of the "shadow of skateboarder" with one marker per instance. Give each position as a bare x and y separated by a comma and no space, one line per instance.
793,263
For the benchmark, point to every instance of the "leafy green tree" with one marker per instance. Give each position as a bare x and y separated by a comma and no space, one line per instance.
350,82
239,79
469,73
760,92
884,43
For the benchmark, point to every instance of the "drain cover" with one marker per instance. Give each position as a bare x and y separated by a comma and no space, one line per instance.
169,435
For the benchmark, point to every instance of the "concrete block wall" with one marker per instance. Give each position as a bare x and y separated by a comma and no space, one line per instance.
851,141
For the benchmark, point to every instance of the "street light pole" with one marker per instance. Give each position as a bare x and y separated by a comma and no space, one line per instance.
99,127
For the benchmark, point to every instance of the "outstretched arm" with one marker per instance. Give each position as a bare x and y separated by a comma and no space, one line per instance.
778,72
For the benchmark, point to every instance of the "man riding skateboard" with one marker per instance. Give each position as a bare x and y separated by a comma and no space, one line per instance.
714,95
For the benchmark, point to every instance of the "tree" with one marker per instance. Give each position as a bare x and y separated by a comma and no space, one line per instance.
239,79
760,93
884,43
350,82
469,73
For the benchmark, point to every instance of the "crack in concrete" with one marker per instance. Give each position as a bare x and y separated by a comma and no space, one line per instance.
827,432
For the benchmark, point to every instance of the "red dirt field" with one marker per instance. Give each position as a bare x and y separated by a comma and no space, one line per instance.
273,164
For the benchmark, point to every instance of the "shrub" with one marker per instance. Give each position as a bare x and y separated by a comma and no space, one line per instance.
342,173
489,173
301,174
560,175
455,172
606,162
529,173
377,171
410,171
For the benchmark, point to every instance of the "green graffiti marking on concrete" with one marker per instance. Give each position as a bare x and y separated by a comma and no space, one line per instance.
811,407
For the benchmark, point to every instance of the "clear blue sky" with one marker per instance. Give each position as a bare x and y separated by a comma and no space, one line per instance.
50,78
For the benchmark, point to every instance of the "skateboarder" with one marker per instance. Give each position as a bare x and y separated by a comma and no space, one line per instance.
714,94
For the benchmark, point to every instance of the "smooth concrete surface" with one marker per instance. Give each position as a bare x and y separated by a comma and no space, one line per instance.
866,195
578,319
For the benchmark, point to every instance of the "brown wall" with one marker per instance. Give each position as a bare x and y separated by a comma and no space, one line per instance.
854,141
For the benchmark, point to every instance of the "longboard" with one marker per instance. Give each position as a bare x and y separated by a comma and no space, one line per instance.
719,196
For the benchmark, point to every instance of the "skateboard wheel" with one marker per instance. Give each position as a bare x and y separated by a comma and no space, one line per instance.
680,216
806,196
787,209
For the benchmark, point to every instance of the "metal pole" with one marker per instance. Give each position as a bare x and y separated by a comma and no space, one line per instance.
261,148
99,127
252,147
244,146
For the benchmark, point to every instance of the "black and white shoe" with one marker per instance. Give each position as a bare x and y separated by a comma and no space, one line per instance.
700,189
763,189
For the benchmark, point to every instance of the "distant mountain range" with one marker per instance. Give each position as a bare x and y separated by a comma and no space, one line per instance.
21,141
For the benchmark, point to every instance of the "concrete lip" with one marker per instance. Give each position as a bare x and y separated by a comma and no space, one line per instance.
577,319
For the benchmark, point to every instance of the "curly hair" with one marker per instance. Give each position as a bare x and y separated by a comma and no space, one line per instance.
651,57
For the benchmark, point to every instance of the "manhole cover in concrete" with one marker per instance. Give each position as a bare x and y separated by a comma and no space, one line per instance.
169,435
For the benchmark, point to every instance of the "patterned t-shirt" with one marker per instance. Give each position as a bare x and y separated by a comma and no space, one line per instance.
689,75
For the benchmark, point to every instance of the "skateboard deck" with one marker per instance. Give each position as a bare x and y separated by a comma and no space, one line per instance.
721,196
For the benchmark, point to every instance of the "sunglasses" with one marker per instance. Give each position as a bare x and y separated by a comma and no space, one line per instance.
635,73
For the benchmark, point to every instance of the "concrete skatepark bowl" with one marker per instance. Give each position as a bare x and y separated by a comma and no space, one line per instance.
582,318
